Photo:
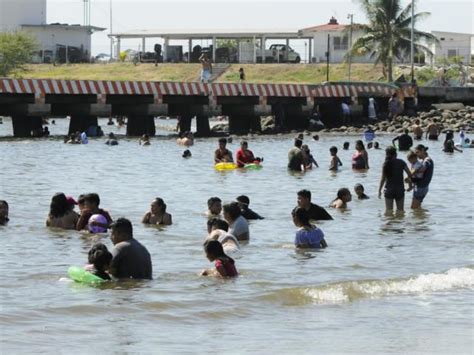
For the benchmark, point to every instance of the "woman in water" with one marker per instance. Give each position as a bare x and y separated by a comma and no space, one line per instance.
238,225
307,235
343,196
392,179
225,265
60,213
308,159
157,213
360,158
244,155
448,145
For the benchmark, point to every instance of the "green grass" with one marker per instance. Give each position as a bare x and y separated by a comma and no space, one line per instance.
255,73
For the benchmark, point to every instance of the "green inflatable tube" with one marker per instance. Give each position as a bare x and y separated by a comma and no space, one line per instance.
253,166
78,274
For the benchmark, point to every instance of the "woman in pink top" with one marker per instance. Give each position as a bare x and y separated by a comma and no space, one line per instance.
225,265
360,158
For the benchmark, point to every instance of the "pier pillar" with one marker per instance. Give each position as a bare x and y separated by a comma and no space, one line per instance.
26,126
242,118
202,126
140,124
81,122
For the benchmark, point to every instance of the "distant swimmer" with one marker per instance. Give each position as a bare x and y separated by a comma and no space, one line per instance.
315,212
144,140
335,161
417,130
238,225
244,155
99,259
247,213
346,145
224,264
343,197
360,192
405,142
448,145
222,154
307,235
214,207
295,156
61,215
360,158
3,213
157,213
112,139
186,138
187,154
432,131
422,184
308,159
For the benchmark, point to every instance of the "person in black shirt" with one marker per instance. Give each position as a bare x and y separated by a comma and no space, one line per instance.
246,212
405,142
315,212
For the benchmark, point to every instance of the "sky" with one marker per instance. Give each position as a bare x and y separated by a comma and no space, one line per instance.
447,15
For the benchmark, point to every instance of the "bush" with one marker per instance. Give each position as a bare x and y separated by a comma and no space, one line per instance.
16,50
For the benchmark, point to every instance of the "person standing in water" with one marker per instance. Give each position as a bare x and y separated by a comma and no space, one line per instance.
392,179
158,214
295,156
405,142
360,158
417,130
432,132
372,113
421,185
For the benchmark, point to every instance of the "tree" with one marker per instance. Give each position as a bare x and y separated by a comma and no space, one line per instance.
388,34
16,50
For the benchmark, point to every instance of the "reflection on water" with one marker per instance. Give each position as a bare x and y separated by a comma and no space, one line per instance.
373,261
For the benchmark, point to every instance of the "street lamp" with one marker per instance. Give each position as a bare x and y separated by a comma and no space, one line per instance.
350,16
412,46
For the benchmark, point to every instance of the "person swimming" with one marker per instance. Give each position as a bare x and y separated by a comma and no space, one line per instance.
307,235
218,229
144,140
222,154
247,213
60,213
157,213
112,139
360,158
187,154
224,264
214,207
100,257
346,145
335,161
4,212
359,191
343,197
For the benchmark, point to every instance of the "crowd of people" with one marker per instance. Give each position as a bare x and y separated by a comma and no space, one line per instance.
227,224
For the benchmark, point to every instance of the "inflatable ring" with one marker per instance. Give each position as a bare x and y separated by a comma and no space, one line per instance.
253,166
78,274
225,166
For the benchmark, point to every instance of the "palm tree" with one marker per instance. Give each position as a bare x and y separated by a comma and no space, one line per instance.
388,33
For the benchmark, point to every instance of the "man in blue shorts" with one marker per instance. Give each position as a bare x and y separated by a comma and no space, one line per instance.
421,184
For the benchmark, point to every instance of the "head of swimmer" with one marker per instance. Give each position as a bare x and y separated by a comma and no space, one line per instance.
89,202
231,212
222,143
214,205
420,151
304,199
214,250
244,145
300,217
158,206
3,212
217,223
359,190
122,230
344,194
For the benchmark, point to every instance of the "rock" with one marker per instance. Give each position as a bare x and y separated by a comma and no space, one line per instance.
220,127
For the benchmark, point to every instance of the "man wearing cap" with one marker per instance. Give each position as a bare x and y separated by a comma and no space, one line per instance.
131,260
421,184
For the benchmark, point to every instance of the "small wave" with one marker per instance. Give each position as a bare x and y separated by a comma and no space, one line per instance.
349,291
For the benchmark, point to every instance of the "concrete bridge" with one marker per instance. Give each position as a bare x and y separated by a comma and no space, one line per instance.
28,100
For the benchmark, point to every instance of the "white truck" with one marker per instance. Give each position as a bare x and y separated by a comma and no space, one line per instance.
279,53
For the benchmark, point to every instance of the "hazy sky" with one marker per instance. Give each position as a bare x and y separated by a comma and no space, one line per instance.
447,15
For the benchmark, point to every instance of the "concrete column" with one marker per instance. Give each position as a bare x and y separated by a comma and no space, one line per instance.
238,50
310,47
190,48
165,49
287,45
24,126
140,124
214,44
118,48
81,122
143,44
263,49
202,126
315,53
254,51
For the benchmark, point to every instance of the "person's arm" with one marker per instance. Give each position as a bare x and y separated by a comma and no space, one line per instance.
393,140
314,161
167,219
382,183
238,157
221,269
457,149
48,222
409,178
146,218
83,219
216,158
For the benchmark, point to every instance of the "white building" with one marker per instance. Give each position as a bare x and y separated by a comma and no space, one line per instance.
452,44
60,42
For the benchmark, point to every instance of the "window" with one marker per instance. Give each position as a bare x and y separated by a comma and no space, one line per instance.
452,53
341,43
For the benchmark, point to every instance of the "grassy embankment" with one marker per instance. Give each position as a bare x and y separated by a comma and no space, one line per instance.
255,73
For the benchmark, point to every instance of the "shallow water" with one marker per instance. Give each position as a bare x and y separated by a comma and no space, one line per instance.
385,284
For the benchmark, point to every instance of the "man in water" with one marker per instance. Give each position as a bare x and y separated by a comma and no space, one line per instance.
432,132
417,130
3,212
405,142
295,156
421,184
206,68
91,204
131,260
247,213
222,154
315,212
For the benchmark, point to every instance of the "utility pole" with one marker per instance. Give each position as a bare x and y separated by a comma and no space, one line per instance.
327,57
351,16
412,47
111,39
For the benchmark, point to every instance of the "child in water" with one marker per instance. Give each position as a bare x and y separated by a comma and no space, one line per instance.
335,161
343,196
359,191
225,265
415,166
100,258
307,235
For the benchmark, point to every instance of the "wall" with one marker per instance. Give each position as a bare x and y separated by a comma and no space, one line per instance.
48,37
459,42
14,13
